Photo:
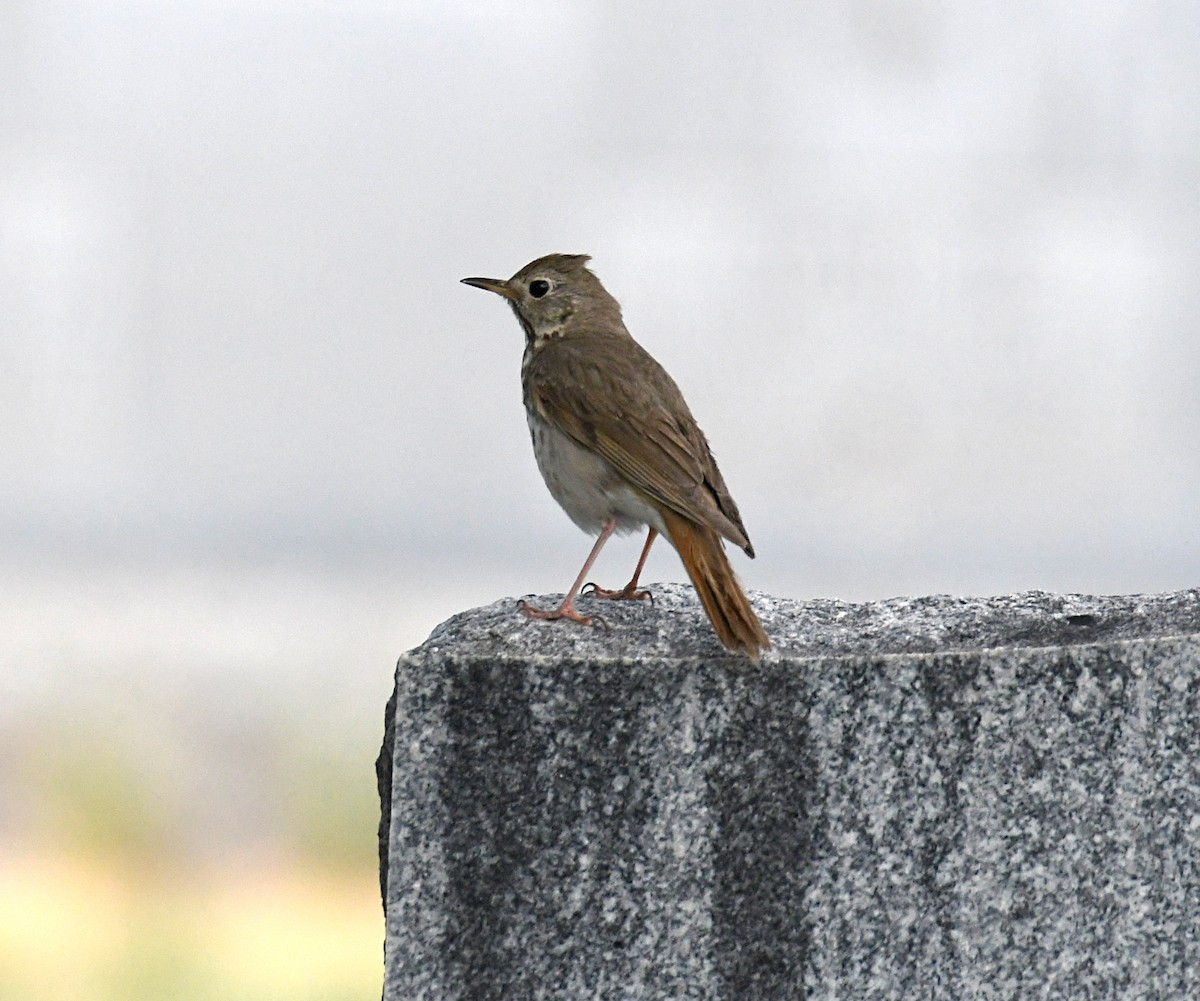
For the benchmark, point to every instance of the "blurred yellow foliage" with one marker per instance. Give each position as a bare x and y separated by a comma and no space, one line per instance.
230,866
70,929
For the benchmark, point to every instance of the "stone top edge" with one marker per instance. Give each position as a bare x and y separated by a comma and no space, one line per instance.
425,653
674,629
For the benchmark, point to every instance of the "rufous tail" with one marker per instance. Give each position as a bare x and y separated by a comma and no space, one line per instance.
722,596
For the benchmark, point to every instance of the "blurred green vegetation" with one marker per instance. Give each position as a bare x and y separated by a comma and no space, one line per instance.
195,866
333,812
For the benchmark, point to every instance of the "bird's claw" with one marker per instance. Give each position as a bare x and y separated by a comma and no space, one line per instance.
628,593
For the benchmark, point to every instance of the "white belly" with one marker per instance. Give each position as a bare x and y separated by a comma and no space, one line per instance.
585,485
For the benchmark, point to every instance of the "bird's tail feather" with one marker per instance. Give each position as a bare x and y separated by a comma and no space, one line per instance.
726,604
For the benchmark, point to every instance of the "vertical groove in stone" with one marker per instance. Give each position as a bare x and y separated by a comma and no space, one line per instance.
577,832
494,797
762,798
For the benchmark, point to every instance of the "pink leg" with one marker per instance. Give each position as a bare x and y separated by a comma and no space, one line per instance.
630,590
567,609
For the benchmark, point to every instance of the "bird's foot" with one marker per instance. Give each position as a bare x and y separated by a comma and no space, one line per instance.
564,611
630,592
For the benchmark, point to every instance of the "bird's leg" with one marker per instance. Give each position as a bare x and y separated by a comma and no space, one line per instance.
629,591
567,609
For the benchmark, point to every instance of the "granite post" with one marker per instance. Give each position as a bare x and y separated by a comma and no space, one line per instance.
922,798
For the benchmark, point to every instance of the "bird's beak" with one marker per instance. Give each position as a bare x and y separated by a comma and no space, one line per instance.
492,285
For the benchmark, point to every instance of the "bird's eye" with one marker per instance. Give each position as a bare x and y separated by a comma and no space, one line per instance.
538,288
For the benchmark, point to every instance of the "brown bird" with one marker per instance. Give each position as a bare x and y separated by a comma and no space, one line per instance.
617,445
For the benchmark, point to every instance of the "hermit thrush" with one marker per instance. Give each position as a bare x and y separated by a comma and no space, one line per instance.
616,443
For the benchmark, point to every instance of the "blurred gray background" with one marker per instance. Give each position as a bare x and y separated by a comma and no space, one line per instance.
927,275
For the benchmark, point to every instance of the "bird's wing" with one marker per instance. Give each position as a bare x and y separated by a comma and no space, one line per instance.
629,410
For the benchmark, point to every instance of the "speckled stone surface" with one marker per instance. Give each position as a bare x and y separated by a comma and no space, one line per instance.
925,798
